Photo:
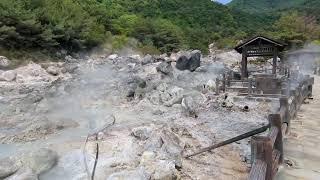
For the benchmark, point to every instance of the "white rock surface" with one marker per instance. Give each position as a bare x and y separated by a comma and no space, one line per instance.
8,76
8,167
4,62
41,160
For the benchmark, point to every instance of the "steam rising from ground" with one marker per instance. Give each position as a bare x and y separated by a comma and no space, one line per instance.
306,59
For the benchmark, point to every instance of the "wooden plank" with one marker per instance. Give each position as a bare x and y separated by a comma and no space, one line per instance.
275,121
284,129
267,146
276,161
284,112
258,170
273,134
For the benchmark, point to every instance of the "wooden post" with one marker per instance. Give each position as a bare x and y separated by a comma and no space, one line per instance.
250,86
285,105
262,150
244,62
275,120
275,59
288,86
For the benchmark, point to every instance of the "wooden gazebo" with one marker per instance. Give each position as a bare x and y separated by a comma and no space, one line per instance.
259,46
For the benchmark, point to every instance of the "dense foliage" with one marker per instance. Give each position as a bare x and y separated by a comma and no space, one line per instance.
150,25
263,6
294,22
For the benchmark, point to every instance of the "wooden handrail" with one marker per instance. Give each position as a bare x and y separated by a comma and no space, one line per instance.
267,151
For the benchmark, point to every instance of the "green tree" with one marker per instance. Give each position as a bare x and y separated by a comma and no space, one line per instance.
293,27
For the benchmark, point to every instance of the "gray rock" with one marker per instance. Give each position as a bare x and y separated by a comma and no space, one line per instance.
154,143
113,56
159,169
194,61
147,158
4,62
189,61
165,68
162,87
70,59
8,76
172,147
136,174
165,170
24,174
182,63
133,84
211,85
69,68
189,106
70,166
172,96
53,70
202,69
8,167
147,59
154,98
41,160
142,133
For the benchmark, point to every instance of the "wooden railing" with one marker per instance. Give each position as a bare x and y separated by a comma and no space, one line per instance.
267,151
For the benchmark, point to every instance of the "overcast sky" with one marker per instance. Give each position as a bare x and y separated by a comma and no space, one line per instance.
224,1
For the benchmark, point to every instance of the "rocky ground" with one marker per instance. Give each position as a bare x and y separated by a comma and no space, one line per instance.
141,114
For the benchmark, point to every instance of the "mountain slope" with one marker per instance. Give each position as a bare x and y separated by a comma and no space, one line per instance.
264,6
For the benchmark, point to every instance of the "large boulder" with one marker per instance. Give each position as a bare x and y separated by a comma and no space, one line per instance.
133,84
182,63
8,76
4,62
189,61
32,73
194,61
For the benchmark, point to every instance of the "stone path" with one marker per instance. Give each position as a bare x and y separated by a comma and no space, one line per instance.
302,145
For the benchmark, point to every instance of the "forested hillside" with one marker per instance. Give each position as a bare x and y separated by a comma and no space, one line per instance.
151,26
263,6
294,21
81,24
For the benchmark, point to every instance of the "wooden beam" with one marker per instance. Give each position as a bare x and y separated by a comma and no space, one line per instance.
244,63
275,58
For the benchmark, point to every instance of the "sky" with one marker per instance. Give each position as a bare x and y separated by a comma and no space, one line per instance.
224,1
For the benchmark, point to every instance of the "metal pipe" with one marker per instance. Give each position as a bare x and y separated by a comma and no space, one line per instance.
232,140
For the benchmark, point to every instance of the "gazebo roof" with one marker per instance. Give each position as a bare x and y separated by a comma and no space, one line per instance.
258,41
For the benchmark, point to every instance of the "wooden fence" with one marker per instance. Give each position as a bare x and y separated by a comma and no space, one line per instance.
267,151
